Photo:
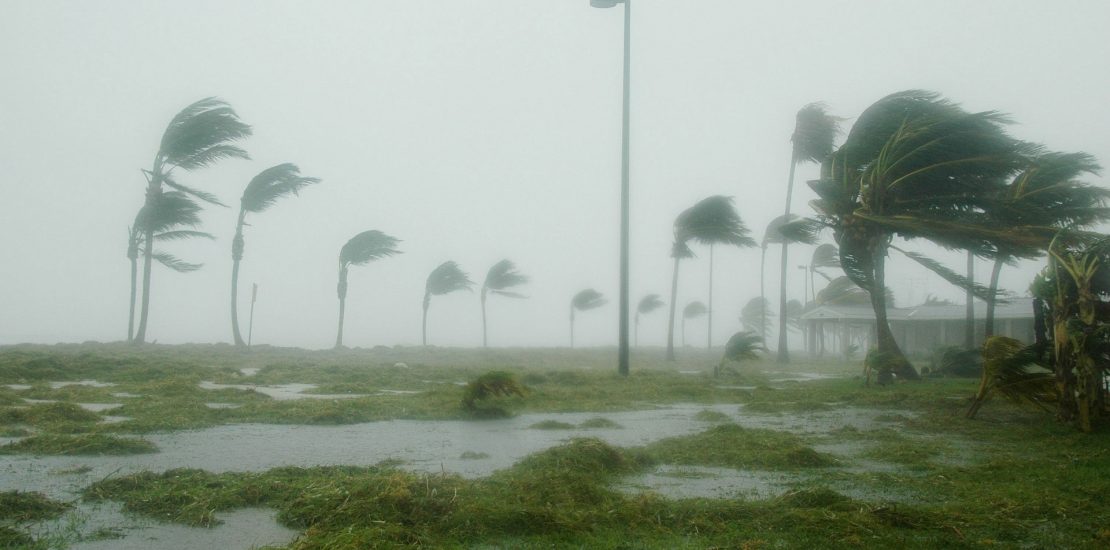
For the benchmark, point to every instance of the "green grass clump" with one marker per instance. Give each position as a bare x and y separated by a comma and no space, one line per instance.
551,425
733,446
84,444
14,538
21,507
472,455
45,414
14,432
599,423
706,415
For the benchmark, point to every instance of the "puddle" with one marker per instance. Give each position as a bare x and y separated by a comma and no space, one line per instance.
249,371
99,407
280,392
700,482
398,392
125,395
801,377
89,383
690,372
222,405
39,401
18,387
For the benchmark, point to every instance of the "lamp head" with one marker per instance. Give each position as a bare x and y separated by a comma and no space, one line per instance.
605,3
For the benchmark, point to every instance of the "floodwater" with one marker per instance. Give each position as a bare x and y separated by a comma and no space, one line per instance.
429,446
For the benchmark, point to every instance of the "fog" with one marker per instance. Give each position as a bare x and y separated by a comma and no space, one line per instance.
475,130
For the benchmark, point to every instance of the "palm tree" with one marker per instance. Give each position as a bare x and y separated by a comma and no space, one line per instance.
1047,192
742,346
169,219
647,304
200,135
814,133
771,235
446,278
754,316
693,310
501,277
261,193
825,256
712,220
360,250
585,300
916,166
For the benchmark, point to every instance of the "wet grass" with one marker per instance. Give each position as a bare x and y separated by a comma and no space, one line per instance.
83,444
599,423
552,425
733,446
21,507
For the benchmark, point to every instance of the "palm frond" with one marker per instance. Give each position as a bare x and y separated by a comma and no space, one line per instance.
502,275
743,346
843,291
183,234
712,220
508,294
273,183
588,299
1017,372
367,246
447,277
825,256
201,134
756,312
169,210
649,303
773,233
174,263
815,130
202,195
978,290
694,309
801,230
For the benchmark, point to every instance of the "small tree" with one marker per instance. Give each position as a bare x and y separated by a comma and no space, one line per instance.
585,300
742,346
647,304
499,279
446,278
693,310
360,250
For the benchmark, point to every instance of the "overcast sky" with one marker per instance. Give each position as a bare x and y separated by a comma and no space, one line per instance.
474,130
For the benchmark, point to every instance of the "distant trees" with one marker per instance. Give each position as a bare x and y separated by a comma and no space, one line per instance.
446,278
712,220
585,300
647,304
261,193
201,134
693,310
812,140
501,277
754,316
360,250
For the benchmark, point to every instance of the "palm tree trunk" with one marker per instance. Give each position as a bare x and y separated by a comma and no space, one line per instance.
236,257
670,323
134,283
969,336
153,193
884,338
762,297
636,333
484,342
424,323
784,353
683,331
572,326
988,323
709,331
341,291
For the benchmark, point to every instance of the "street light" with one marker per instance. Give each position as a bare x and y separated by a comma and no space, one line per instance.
622,335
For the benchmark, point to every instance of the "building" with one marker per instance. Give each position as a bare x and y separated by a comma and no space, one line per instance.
837,329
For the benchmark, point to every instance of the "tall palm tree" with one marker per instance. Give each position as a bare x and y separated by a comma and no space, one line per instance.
360,250
812,140
585,300
170,218
200,135
261,193
712,220
499,279
917,166
771,235
446,278
647,304
693,310
1047,192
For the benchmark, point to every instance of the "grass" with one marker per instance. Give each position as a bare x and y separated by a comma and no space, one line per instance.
22,507
83,444
920,476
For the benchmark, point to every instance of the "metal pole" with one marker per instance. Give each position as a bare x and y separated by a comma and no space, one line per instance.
622,353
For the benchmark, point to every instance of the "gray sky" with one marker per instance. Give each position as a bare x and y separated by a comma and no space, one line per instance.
473,130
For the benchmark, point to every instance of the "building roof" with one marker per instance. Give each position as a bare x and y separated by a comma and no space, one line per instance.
1018,308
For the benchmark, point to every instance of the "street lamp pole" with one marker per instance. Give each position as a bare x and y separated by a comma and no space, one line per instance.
622,335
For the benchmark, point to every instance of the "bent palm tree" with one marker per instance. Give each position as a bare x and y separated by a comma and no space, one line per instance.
693,310
814,133
712,220
168,219
742,346
647,304
754,315
499,279
200,135
585,300
360,250
261,193
916,166
446,278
